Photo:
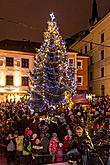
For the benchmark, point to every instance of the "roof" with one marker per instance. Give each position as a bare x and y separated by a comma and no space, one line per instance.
78,53
78,36
25,46
82,34
100,20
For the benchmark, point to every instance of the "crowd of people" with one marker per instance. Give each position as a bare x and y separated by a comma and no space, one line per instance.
40,137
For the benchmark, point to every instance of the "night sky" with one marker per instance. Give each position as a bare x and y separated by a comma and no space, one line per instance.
27,19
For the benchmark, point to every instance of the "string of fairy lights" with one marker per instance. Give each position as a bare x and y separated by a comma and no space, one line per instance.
53,66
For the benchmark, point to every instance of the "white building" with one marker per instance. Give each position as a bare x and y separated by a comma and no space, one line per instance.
16,61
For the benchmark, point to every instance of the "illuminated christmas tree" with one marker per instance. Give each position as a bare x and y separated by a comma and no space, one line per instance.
52,78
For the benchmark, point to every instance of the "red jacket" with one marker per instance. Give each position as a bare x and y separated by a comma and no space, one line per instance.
66,142
53,145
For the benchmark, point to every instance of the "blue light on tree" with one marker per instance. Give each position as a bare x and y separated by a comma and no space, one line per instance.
51,75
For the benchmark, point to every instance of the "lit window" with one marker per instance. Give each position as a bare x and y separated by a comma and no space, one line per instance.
25,81
79,64
25,63
79,80
9,80
9,61
71,61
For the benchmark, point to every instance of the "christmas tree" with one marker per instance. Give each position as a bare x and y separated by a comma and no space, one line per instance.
52,79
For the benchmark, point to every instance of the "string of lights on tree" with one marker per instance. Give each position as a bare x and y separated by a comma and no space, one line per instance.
52,79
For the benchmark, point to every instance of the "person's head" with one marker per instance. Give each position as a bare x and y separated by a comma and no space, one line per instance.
54,135
27,129
20,133
79,131
10,135
16,134
37,141
69,132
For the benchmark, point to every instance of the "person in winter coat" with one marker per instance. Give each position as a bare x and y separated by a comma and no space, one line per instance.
80,145
53,146
27,148
53,126
59,154
28,132
45,151
62,130
67,141
34,137
37,149
11,148
19,146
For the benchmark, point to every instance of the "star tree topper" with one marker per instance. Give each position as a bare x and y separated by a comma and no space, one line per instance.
52,16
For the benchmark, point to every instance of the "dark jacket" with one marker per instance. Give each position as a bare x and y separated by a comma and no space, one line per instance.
82,143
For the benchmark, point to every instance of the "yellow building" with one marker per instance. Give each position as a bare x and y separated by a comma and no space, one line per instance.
16,61
96,44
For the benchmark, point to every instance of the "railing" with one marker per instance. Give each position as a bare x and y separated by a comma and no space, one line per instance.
97,157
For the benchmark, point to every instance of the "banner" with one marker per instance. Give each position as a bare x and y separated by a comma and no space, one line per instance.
80,98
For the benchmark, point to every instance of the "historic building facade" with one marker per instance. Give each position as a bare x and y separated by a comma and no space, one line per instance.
97,45
80,63
16,61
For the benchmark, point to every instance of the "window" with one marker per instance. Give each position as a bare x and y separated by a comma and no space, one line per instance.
103,90
79,64
102,37
102,54
25,63
91,60
9,61
85,49
1,62
70,61
90,45
79,80
91,75
18,64
102,72
9,80
25,81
